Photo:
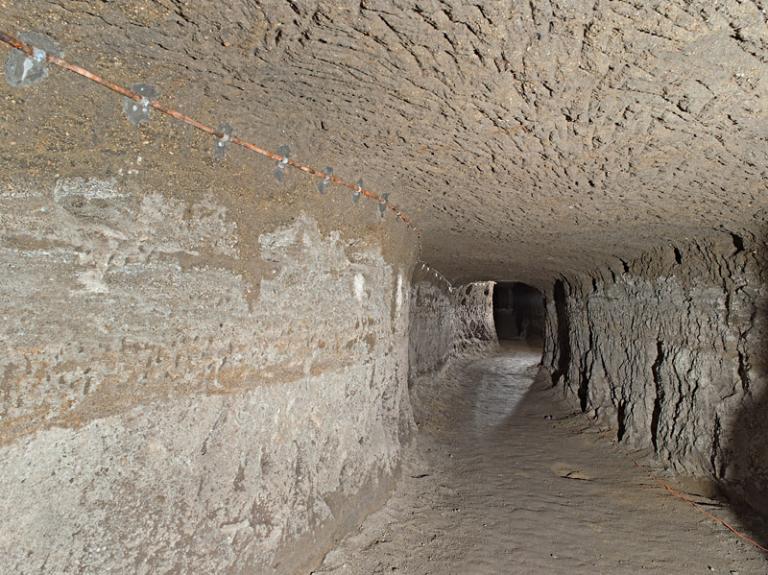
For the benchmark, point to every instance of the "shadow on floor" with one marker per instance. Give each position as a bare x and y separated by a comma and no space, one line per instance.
744,472
742,462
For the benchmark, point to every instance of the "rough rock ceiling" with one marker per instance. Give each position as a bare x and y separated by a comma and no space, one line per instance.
526,139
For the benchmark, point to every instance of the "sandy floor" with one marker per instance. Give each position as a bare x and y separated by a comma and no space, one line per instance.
506,479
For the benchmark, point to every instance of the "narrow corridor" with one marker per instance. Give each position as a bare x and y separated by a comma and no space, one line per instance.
505,478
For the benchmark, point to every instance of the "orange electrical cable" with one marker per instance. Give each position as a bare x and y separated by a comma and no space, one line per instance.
675,493
123,91
682,497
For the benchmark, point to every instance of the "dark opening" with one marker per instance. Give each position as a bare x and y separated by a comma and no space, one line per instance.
518,311
563,332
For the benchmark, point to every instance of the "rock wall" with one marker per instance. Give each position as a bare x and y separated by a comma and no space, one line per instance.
474,329
446,322
163,412
670,350
431,335
562,129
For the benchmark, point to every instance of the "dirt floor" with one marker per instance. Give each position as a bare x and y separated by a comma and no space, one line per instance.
506,478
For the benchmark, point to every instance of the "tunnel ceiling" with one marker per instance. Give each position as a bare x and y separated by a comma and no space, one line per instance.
525,139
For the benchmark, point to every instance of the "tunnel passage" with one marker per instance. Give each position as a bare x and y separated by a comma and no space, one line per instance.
213,358
518,312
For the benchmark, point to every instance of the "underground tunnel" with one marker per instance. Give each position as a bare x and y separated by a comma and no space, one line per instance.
354,287
518,312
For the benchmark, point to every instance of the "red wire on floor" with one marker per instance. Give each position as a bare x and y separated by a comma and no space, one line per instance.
679,495
61,63
682,497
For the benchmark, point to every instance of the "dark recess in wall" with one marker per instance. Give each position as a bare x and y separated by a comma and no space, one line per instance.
518,312
742,441
563,349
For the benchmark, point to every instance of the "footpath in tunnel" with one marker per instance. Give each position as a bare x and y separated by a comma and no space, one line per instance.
257,258
506,478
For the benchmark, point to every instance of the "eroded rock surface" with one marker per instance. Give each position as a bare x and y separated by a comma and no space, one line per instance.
209,380
161,413
525,138
447,323
669,350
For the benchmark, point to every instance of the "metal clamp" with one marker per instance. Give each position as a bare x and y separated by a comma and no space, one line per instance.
326,181
285,152
358,192
138,112
223,142
22,70
383,203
